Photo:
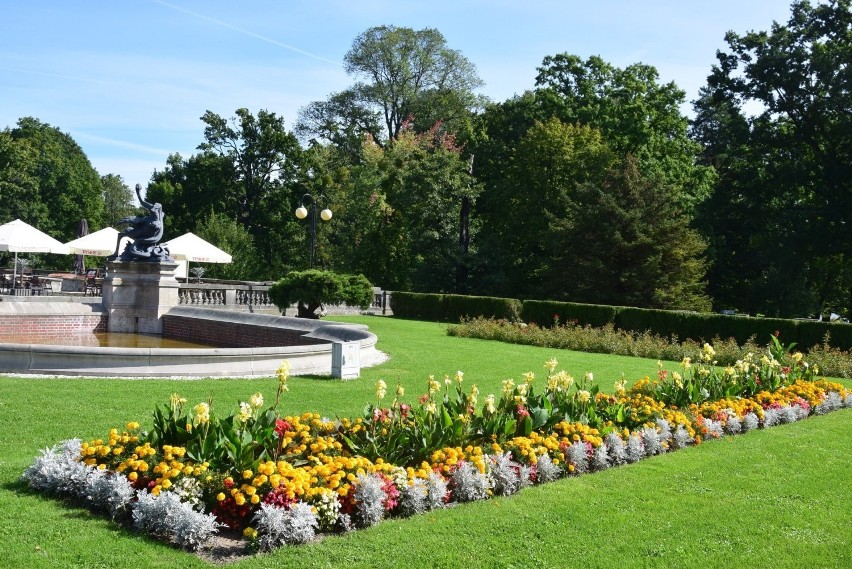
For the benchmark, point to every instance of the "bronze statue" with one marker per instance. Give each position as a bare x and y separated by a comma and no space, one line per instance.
146,232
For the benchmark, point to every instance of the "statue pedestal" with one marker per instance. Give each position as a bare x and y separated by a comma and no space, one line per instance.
137,294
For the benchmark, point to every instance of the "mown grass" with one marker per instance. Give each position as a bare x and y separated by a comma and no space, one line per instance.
777,497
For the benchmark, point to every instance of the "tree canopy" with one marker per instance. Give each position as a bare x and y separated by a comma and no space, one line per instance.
402,75
775,122
68,187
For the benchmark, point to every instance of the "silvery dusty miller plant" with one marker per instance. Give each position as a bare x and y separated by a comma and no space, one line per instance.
437,495
681,437
546,471
413,498
578,458
635,450
615,448
167,517
469,484
369,500
505,474
279,526
54,468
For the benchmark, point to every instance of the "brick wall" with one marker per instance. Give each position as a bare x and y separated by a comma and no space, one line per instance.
27,328
231,334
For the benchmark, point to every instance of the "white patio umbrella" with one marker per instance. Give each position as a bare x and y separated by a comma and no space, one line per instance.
21,237
191,247
101,243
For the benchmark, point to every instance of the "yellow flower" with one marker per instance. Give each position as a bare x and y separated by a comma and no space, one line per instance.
250,533
202,413
400,390
283,371
529,377
433,385
459,376
584,396
256,400
381,389
132,426
550,365
247,474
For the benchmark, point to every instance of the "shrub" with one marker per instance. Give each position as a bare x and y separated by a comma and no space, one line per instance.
610,340
312,289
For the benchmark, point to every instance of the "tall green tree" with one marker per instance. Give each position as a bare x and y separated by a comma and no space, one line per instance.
204,180
225,233
537,187
775,121
403,76
626,241
250,169
19,195
119,199
632,112
404,209
68,186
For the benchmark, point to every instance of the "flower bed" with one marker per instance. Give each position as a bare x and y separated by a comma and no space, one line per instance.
284,479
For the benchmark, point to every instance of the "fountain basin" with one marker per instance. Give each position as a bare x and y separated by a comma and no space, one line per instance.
245,344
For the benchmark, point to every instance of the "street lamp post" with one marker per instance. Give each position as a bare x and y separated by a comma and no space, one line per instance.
302,212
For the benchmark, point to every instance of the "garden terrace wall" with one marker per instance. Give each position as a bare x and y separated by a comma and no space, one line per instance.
236,330
33,322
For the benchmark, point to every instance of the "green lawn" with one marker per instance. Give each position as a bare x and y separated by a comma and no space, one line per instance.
778,497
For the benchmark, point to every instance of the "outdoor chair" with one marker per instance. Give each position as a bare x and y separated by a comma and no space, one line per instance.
93,286
6,284
37,286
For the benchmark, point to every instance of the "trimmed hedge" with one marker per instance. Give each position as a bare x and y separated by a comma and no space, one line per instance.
706,326
545,312
685,325
452,307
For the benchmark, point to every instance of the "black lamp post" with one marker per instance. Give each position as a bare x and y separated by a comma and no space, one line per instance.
302,212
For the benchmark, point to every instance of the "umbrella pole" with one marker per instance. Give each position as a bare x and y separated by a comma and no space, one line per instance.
15,273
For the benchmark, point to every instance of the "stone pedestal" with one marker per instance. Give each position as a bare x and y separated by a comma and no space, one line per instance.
137,294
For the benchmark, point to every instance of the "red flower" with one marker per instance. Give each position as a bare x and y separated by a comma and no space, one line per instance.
403,410
522,412
282,427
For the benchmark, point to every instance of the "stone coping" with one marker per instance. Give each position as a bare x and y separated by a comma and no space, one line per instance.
315,359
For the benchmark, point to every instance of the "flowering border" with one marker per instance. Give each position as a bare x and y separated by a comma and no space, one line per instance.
282,480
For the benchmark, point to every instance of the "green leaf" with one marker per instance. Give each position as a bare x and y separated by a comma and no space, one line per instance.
539,418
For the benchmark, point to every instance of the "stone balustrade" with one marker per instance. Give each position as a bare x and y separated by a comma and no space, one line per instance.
238,297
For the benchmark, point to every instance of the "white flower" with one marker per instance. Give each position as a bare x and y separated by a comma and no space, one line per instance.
245,411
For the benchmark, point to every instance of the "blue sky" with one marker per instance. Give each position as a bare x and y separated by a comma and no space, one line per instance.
128,80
